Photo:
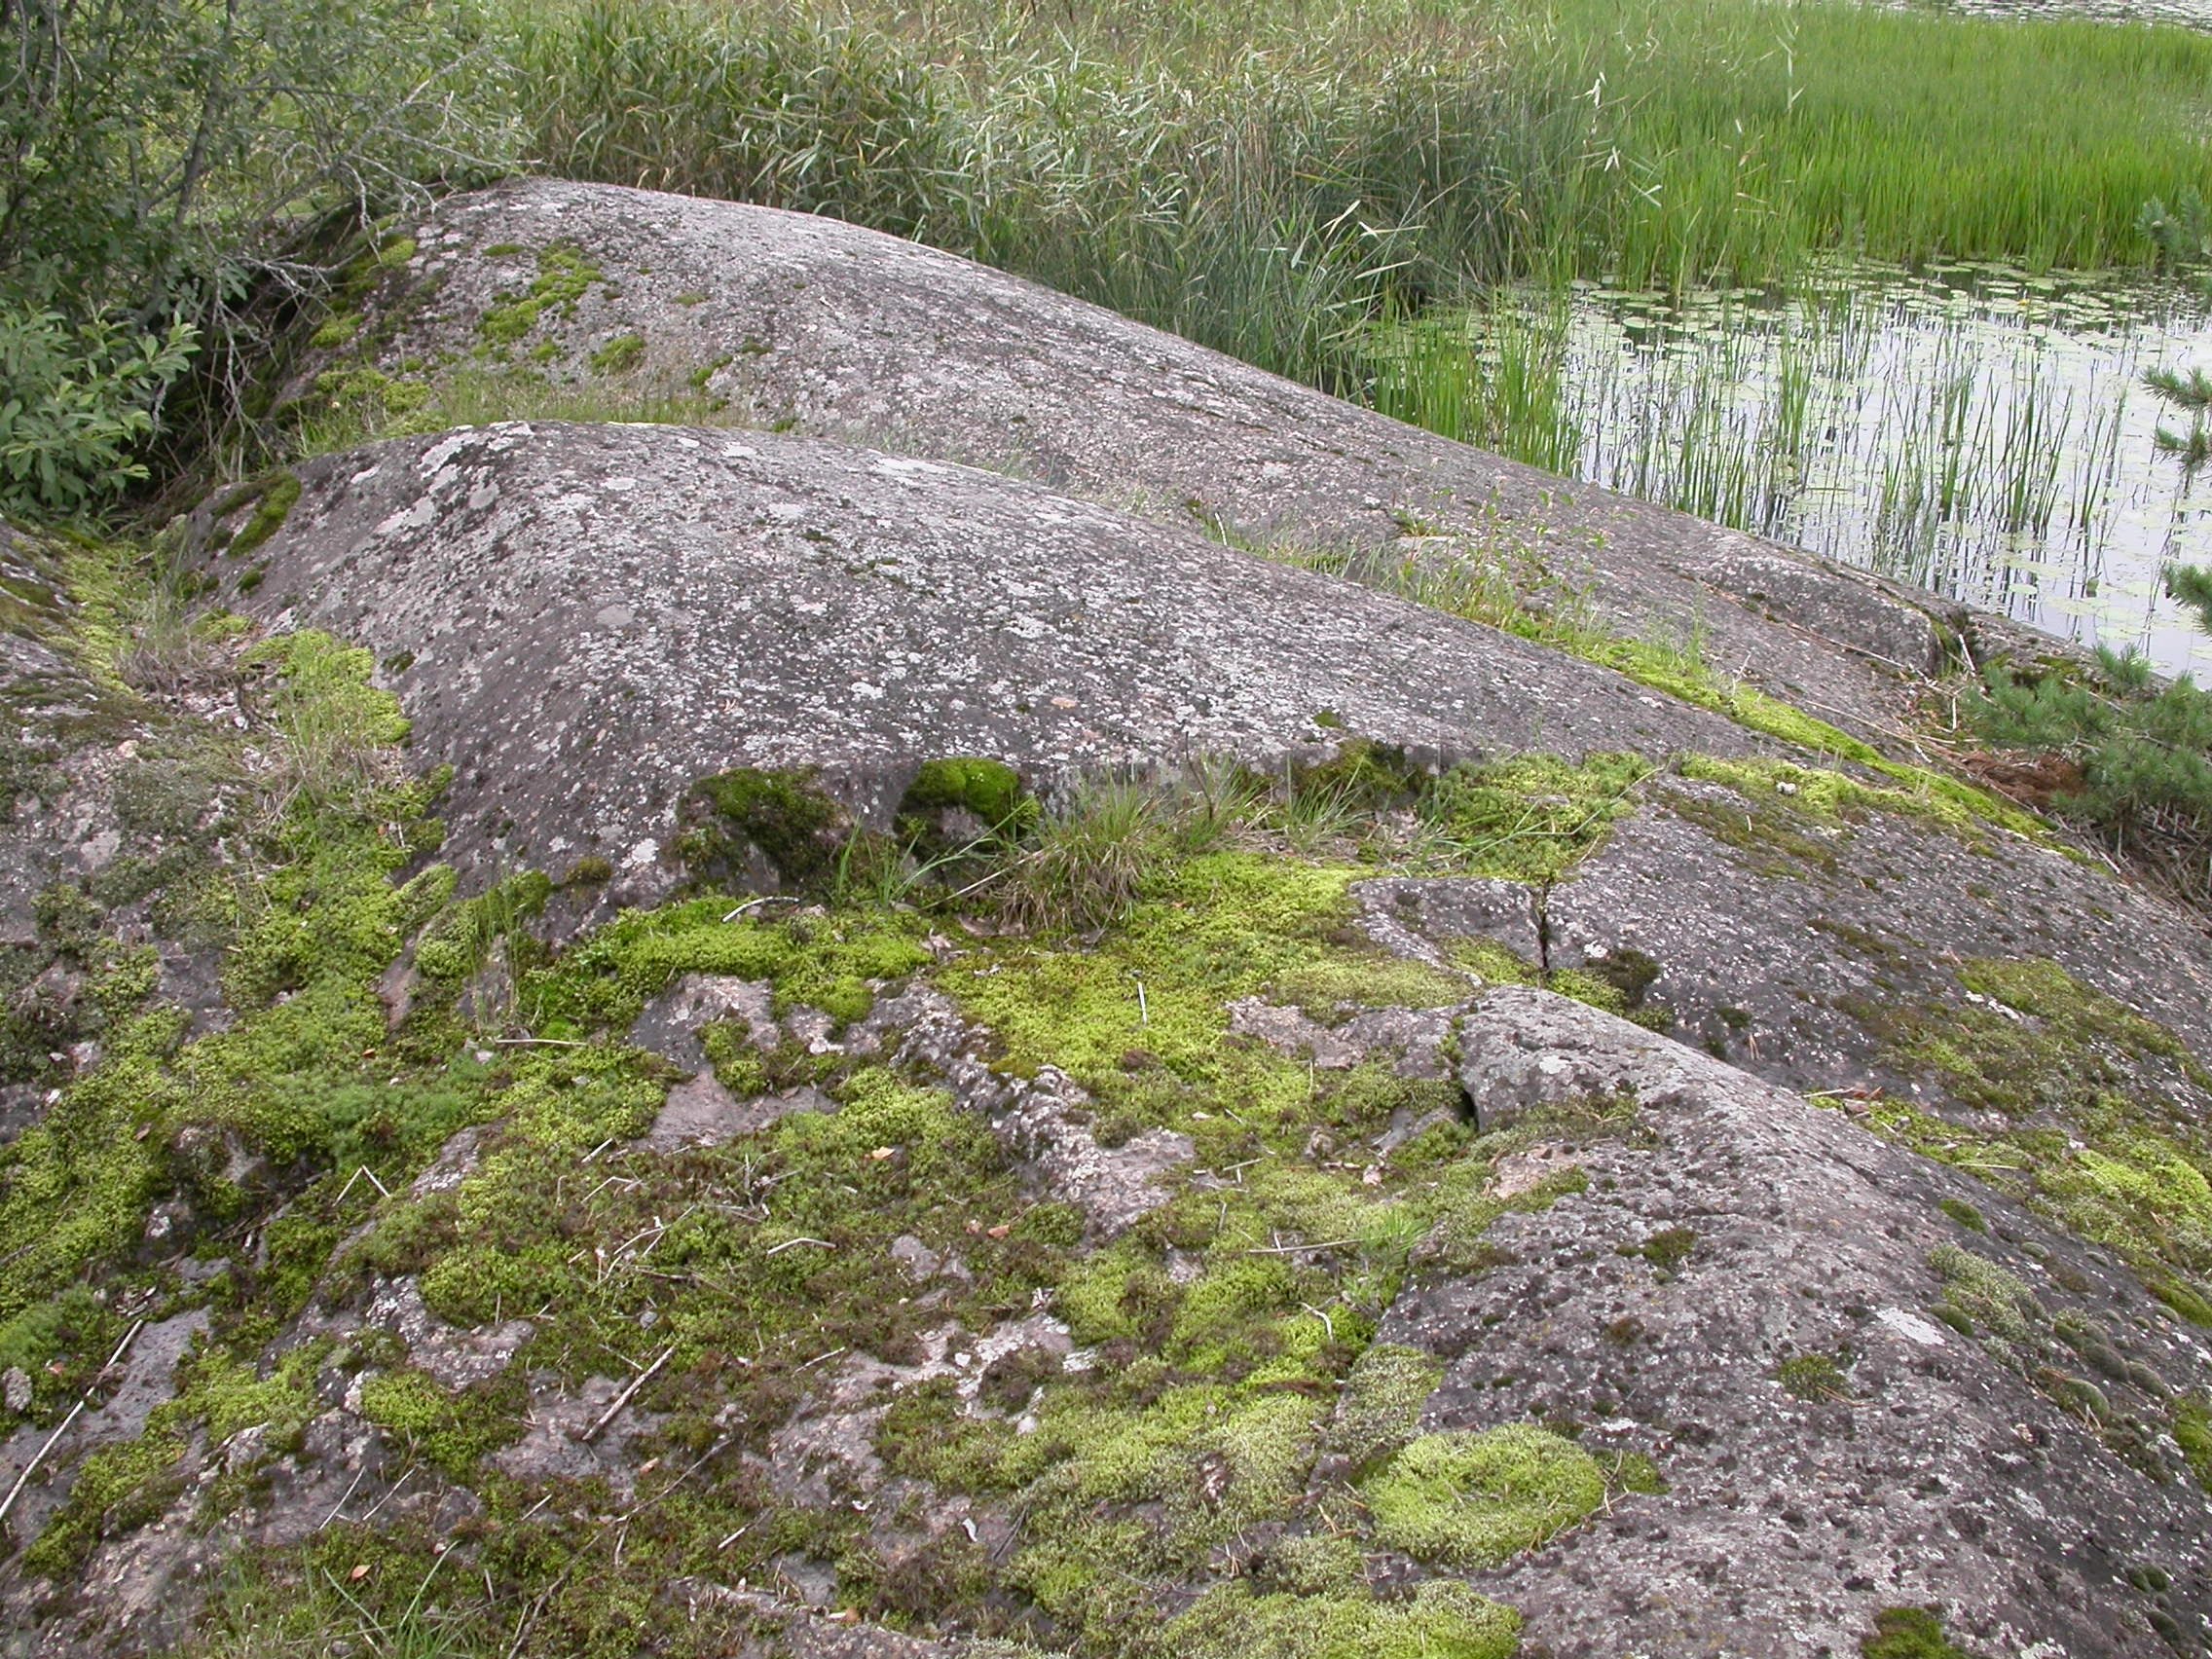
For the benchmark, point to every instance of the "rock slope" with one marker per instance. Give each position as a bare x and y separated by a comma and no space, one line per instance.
584,621
807,324
707,1041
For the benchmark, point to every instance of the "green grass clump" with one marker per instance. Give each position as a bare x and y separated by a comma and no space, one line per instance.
1476,1500
1756,137
1909,1632
1727,142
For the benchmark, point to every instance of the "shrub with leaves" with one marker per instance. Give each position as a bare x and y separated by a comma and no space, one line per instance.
167,166
76,400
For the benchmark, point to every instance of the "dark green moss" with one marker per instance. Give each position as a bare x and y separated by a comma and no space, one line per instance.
783,816
1666,1250
926,1436
276,495
2192,1432
1965,1214
990,790
1815,1377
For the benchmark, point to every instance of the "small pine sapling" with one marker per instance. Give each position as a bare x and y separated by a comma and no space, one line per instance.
2144,749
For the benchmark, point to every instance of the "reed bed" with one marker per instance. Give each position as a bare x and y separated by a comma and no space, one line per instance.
1191,161
1329,188
1261,198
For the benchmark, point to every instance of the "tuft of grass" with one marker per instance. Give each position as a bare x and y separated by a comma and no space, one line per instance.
1088,863
1909,1632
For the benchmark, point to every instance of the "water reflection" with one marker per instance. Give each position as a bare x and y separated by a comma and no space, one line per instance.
2191,14
1977,430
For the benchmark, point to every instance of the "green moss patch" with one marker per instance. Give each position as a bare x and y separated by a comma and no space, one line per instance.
1788,821
2100,1136
1909,1632
1382,1400
1813,1377
272,500
784,817
1441,1620
449,1430
118,1490
2192,1431
1476,1500
620,355
1534,818
565,273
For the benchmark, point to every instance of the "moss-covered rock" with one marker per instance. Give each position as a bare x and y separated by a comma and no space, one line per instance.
1476,1500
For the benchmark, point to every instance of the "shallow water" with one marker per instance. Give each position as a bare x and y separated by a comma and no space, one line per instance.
2191,14
1977,430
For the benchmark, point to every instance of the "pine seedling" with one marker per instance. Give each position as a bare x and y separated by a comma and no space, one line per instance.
2192,392
2191,585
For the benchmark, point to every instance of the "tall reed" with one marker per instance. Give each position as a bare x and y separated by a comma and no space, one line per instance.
1742,135
1205,165
1257,198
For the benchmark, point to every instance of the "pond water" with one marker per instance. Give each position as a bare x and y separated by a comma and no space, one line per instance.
1977,430
2190,13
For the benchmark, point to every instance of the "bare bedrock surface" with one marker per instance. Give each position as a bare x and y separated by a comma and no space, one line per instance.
848,333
